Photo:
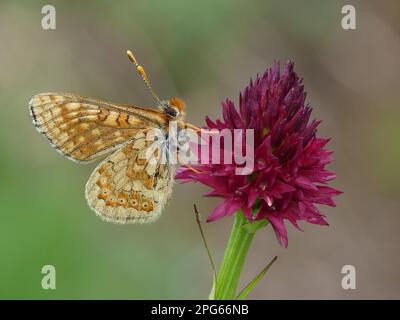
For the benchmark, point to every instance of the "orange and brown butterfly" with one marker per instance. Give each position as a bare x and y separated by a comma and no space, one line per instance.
125,187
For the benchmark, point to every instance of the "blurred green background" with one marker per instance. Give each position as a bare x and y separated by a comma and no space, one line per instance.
203,51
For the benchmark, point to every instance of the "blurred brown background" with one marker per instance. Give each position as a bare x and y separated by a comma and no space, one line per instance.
204,52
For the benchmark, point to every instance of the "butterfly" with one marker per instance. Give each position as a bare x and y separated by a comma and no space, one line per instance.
125,187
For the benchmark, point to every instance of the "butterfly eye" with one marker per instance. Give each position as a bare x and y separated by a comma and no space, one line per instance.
170,111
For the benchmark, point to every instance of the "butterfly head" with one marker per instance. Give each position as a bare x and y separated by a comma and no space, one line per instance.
174,108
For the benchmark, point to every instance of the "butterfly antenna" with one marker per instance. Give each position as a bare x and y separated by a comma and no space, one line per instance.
143,74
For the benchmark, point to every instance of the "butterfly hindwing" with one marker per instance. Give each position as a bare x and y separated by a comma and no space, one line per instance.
130,187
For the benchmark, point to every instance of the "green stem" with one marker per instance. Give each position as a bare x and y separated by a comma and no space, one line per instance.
235,254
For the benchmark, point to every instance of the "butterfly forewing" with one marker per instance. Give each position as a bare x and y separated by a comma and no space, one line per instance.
84,128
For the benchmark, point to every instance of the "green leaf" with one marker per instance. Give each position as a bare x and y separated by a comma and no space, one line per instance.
243,294
211,296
